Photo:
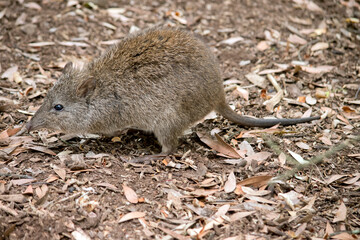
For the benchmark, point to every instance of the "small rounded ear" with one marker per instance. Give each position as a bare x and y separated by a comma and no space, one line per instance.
67,67
86,87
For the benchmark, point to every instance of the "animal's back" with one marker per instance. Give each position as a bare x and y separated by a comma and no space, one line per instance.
162,76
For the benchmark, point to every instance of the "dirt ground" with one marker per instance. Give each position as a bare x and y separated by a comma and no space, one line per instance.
244,185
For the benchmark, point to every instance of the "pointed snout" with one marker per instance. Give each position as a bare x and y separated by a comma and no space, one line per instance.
28,126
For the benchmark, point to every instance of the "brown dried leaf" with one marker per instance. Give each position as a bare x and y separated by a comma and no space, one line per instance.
9,132
260,156
13,131
341,213
40,149
107,185
256,181
21,19
256,80
306,21
307,113
262,46
326,140
269,71
319,46
260,199
80,234
333,178
310,204
310,5
356,155
41,191
344,236
52,178
175,198
10,149
200,232
221,211
298,157
33,5
201,192
295,39
313,7
29,190
131,215
8,210
257,132
348,109
318,69
302,145
130,194
329,230
19,198
343,119
2,14
116,13
219,145
291,198
241,92
9,73
252,192
354,179
240,215
282,158
357,102
300,230
22,181
231,41
60,171
230,184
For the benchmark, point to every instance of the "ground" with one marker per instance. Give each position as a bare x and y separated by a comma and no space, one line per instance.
239,184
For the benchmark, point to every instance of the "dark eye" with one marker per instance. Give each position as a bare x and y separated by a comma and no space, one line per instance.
58,107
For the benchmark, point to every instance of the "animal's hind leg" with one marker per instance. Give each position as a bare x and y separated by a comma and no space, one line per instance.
168,138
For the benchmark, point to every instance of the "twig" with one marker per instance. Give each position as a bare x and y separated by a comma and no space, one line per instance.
293,30
69,197
15,176
305,46
312,161
274,82
51,204
357,93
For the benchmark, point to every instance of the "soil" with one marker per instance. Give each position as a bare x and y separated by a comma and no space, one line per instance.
56,186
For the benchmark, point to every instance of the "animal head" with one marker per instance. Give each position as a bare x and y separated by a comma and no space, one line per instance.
66,106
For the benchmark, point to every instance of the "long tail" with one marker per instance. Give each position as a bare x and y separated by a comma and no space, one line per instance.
228,113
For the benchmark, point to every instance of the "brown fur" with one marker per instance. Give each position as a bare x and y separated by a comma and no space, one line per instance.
161,80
